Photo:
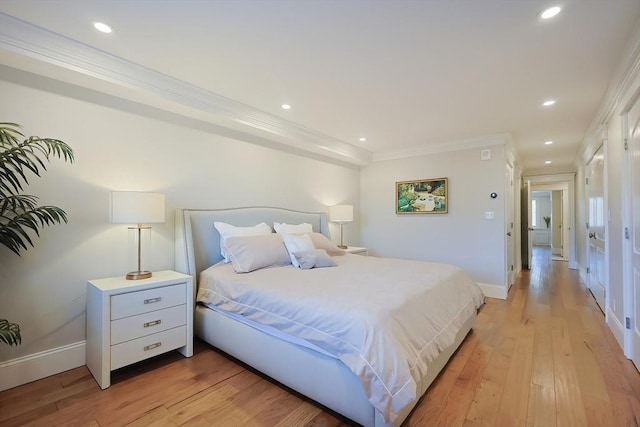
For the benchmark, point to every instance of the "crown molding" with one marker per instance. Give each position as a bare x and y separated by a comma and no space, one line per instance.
38,43
479,142
617,96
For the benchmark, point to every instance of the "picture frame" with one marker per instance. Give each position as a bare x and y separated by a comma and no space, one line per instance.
422,196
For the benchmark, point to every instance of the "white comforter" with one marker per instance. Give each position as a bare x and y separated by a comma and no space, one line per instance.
385,318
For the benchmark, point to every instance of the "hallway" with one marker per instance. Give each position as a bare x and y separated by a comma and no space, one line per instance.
544,357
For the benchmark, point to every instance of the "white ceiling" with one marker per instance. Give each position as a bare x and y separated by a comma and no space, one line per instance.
404,74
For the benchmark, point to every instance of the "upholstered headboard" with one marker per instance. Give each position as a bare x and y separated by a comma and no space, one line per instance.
198,242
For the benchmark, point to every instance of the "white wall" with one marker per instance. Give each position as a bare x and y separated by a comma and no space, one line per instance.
543,208
541,234
44,289
463,236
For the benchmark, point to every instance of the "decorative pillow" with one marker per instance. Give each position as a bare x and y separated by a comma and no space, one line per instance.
228,230
248,253
320,241
314,259
292,228
297,244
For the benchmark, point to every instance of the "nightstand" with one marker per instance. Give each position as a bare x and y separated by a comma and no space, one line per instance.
356,250
132,320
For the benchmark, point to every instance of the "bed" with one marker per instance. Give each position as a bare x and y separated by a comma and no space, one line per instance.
299,359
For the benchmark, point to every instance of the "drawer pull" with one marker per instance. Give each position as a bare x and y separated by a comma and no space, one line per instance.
152,300
152,346
154,323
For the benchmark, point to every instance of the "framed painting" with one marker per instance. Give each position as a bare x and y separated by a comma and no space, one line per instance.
422,196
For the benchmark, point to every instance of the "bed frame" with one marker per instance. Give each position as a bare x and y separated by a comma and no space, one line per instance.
321,378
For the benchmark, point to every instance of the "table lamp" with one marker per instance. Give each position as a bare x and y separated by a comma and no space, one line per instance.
134,207
341,214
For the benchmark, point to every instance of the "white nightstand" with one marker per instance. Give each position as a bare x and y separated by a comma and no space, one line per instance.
132,320
356,250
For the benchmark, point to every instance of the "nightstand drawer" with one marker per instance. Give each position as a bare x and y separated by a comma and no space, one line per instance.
132,327
133,303
151,345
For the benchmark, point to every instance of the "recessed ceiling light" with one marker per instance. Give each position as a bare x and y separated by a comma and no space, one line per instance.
102,27
286,106
548,103
363,139
548,142
548,162
550,12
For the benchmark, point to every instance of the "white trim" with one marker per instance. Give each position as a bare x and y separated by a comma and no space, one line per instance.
582,273
482,141
618,92
616,328
36,366
42,45
493,291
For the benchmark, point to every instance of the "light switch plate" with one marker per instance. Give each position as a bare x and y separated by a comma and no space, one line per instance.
485,154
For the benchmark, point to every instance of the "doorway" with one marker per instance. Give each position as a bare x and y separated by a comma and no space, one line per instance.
560,236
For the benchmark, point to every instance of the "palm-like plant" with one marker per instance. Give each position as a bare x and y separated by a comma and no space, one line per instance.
19,213
9,332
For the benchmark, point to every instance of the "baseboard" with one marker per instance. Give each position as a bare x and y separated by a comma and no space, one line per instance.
616,327
36,366
493,291
583,273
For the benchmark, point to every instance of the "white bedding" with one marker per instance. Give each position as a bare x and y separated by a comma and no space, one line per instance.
386,319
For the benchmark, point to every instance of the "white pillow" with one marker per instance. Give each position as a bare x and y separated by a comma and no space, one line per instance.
282,228
320,241
297,244
228,230
314,259
248,253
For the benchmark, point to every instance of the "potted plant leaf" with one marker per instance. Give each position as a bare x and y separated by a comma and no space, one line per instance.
20,215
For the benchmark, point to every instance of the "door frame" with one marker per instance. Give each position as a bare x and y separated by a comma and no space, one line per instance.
569,179
510,225
627,244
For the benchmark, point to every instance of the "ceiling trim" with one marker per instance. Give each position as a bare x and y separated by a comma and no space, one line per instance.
43,45
482,141
620,88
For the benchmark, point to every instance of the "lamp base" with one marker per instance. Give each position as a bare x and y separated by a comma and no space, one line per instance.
343,246
137,275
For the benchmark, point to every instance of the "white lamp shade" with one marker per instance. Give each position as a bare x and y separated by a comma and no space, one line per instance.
134,207
341,213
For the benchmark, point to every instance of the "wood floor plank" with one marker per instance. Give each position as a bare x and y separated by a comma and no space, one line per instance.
541,409
484,407
157,417
456,407
542,357
542,364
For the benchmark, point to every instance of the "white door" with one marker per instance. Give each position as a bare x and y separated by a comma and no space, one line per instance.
596,228
632,336
529,227
509,198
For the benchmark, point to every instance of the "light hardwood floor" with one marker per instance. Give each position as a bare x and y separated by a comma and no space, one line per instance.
542,358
